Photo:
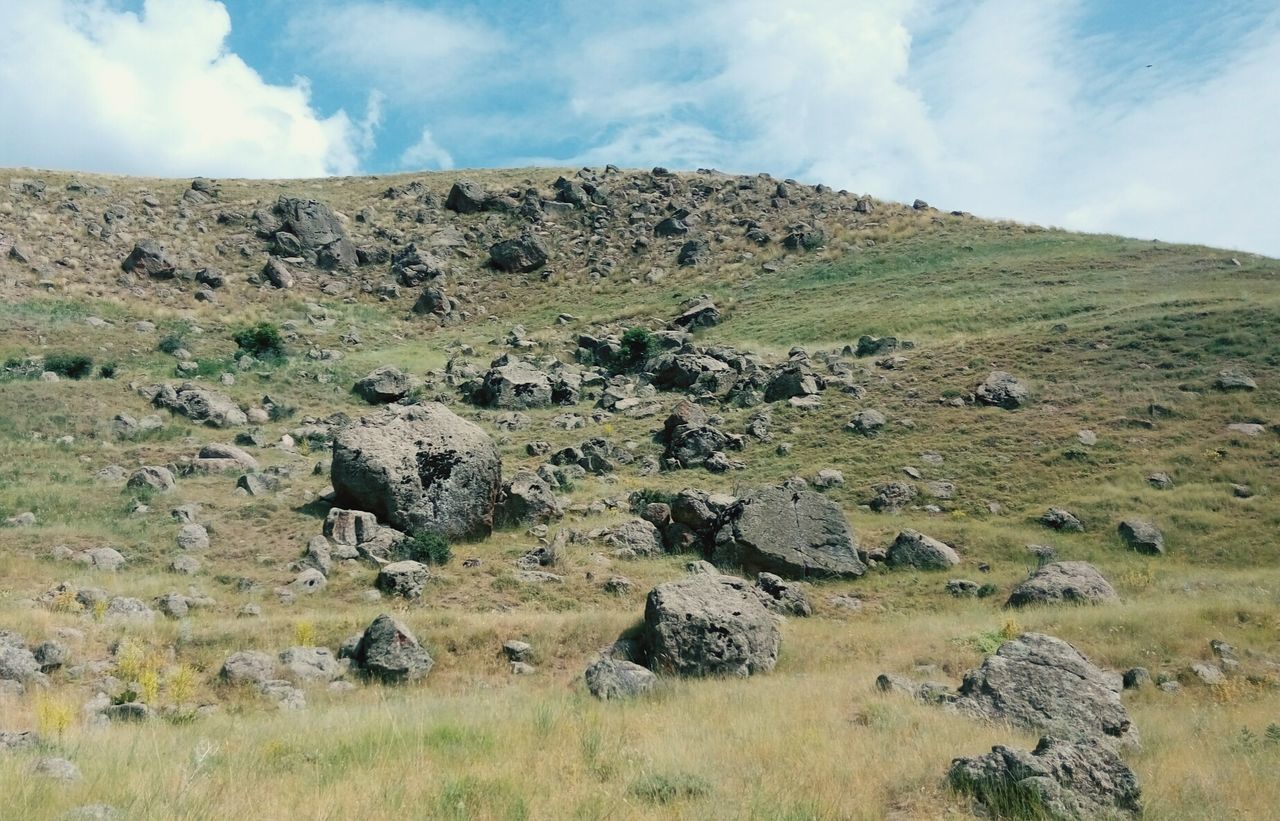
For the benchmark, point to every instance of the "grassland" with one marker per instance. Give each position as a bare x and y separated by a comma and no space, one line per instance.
1103,328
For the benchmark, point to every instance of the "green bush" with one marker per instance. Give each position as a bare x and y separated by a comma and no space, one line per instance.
70,365
262,341
637,346
428,548
663,789
108,370
171,343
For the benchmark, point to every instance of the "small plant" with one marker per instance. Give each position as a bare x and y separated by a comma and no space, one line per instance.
131,659
304,633
261,341
637,346
182,684
149,685
108,370
427,547
1273,733
171,344
54,715
987,590
663,789
70,365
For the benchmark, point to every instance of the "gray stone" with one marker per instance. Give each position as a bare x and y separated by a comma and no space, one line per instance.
795,534
404,579
389,651
783,597
634,539
1063,582
154,477
310,664
248,667
611,679
1055,518
383,385
1002,390
421,469
193,537
709,625
914,549
1144,537
527,498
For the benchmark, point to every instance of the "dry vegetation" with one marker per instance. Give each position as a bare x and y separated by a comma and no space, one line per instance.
1102,327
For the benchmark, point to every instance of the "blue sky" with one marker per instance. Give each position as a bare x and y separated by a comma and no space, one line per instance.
1155,119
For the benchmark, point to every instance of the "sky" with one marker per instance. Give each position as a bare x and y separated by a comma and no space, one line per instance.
1152,118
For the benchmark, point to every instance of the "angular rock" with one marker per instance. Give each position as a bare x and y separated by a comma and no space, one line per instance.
421,469
795,534
389,651
404,579
1063,582
1002,390
519,255
1142,536
526,498
611,679
706,625
248,667
914,549
782,597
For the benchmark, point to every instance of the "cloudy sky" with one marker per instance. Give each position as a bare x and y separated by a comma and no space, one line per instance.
1154,118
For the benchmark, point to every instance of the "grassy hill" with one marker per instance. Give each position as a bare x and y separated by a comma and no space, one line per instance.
1120,342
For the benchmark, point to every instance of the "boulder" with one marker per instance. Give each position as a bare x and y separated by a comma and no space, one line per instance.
514,385
200,406
383,385
1003,390
18,664
611,679
276,271
319,231
709,625
1059,780
466,197
404,579
791,380
1142,536
217,458
892,497
634,539
147,257
193,537
310,664
154,477
522,254
1039,682
527,498
1063,582
914,549
702,314
248,667
867,422
1235,380
795,534
389,651
782,597
1056,518
421,469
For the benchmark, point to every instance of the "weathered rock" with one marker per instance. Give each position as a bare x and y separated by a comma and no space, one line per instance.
914,549
321,234
216,458
867,422
795,534
276,271
193,537
702,314
405,579
154,477
519,255
1142,536
892,497
1056,518
527,498
200,406
18,664
1235,380
515,385
248,667
1063,582
310,664
421,469
634,539
782,597
466,197
1042,683
1002,390
147,257
611,679
383,385
705,625
389,651
1059,780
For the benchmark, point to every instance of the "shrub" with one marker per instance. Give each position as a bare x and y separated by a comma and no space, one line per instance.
262,340
663,789
171,343
647,496
428,548
70,365
637,346
108,370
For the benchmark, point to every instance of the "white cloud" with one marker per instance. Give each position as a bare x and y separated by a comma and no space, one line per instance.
426,154
89,87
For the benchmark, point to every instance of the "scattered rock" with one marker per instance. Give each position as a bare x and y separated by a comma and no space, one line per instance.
705,625
389,651
1142,536
611,679
914,549
1003,390
1063,582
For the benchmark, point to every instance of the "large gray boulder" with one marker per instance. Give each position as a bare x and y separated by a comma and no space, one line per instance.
320,233
248,667
404,579
1063,582
522,254
421,469
383,385
709,625
1061,780
526,497
914,549
795,534
217,457
201,406
514,384
389,651
309,664
635,539
1142,536
1042,683
609,679
1003,390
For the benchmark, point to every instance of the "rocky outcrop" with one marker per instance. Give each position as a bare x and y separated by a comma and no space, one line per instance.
522,254
1063,582
795,534
201,406
709,625
421,469
1059,780
1039,682
390,652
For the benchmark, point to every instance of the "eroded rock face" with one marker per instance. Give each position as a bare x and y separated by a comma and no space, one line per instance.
514,384
795,534
1042,683
527,498
389,651
383,385
1003,390
320,234
914,549
610,679
709,625
522,254
1063,582
421,469
200,406
1064,779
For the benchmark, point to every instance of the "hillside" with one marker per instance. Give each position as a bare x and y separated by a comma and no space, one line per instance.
810,331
